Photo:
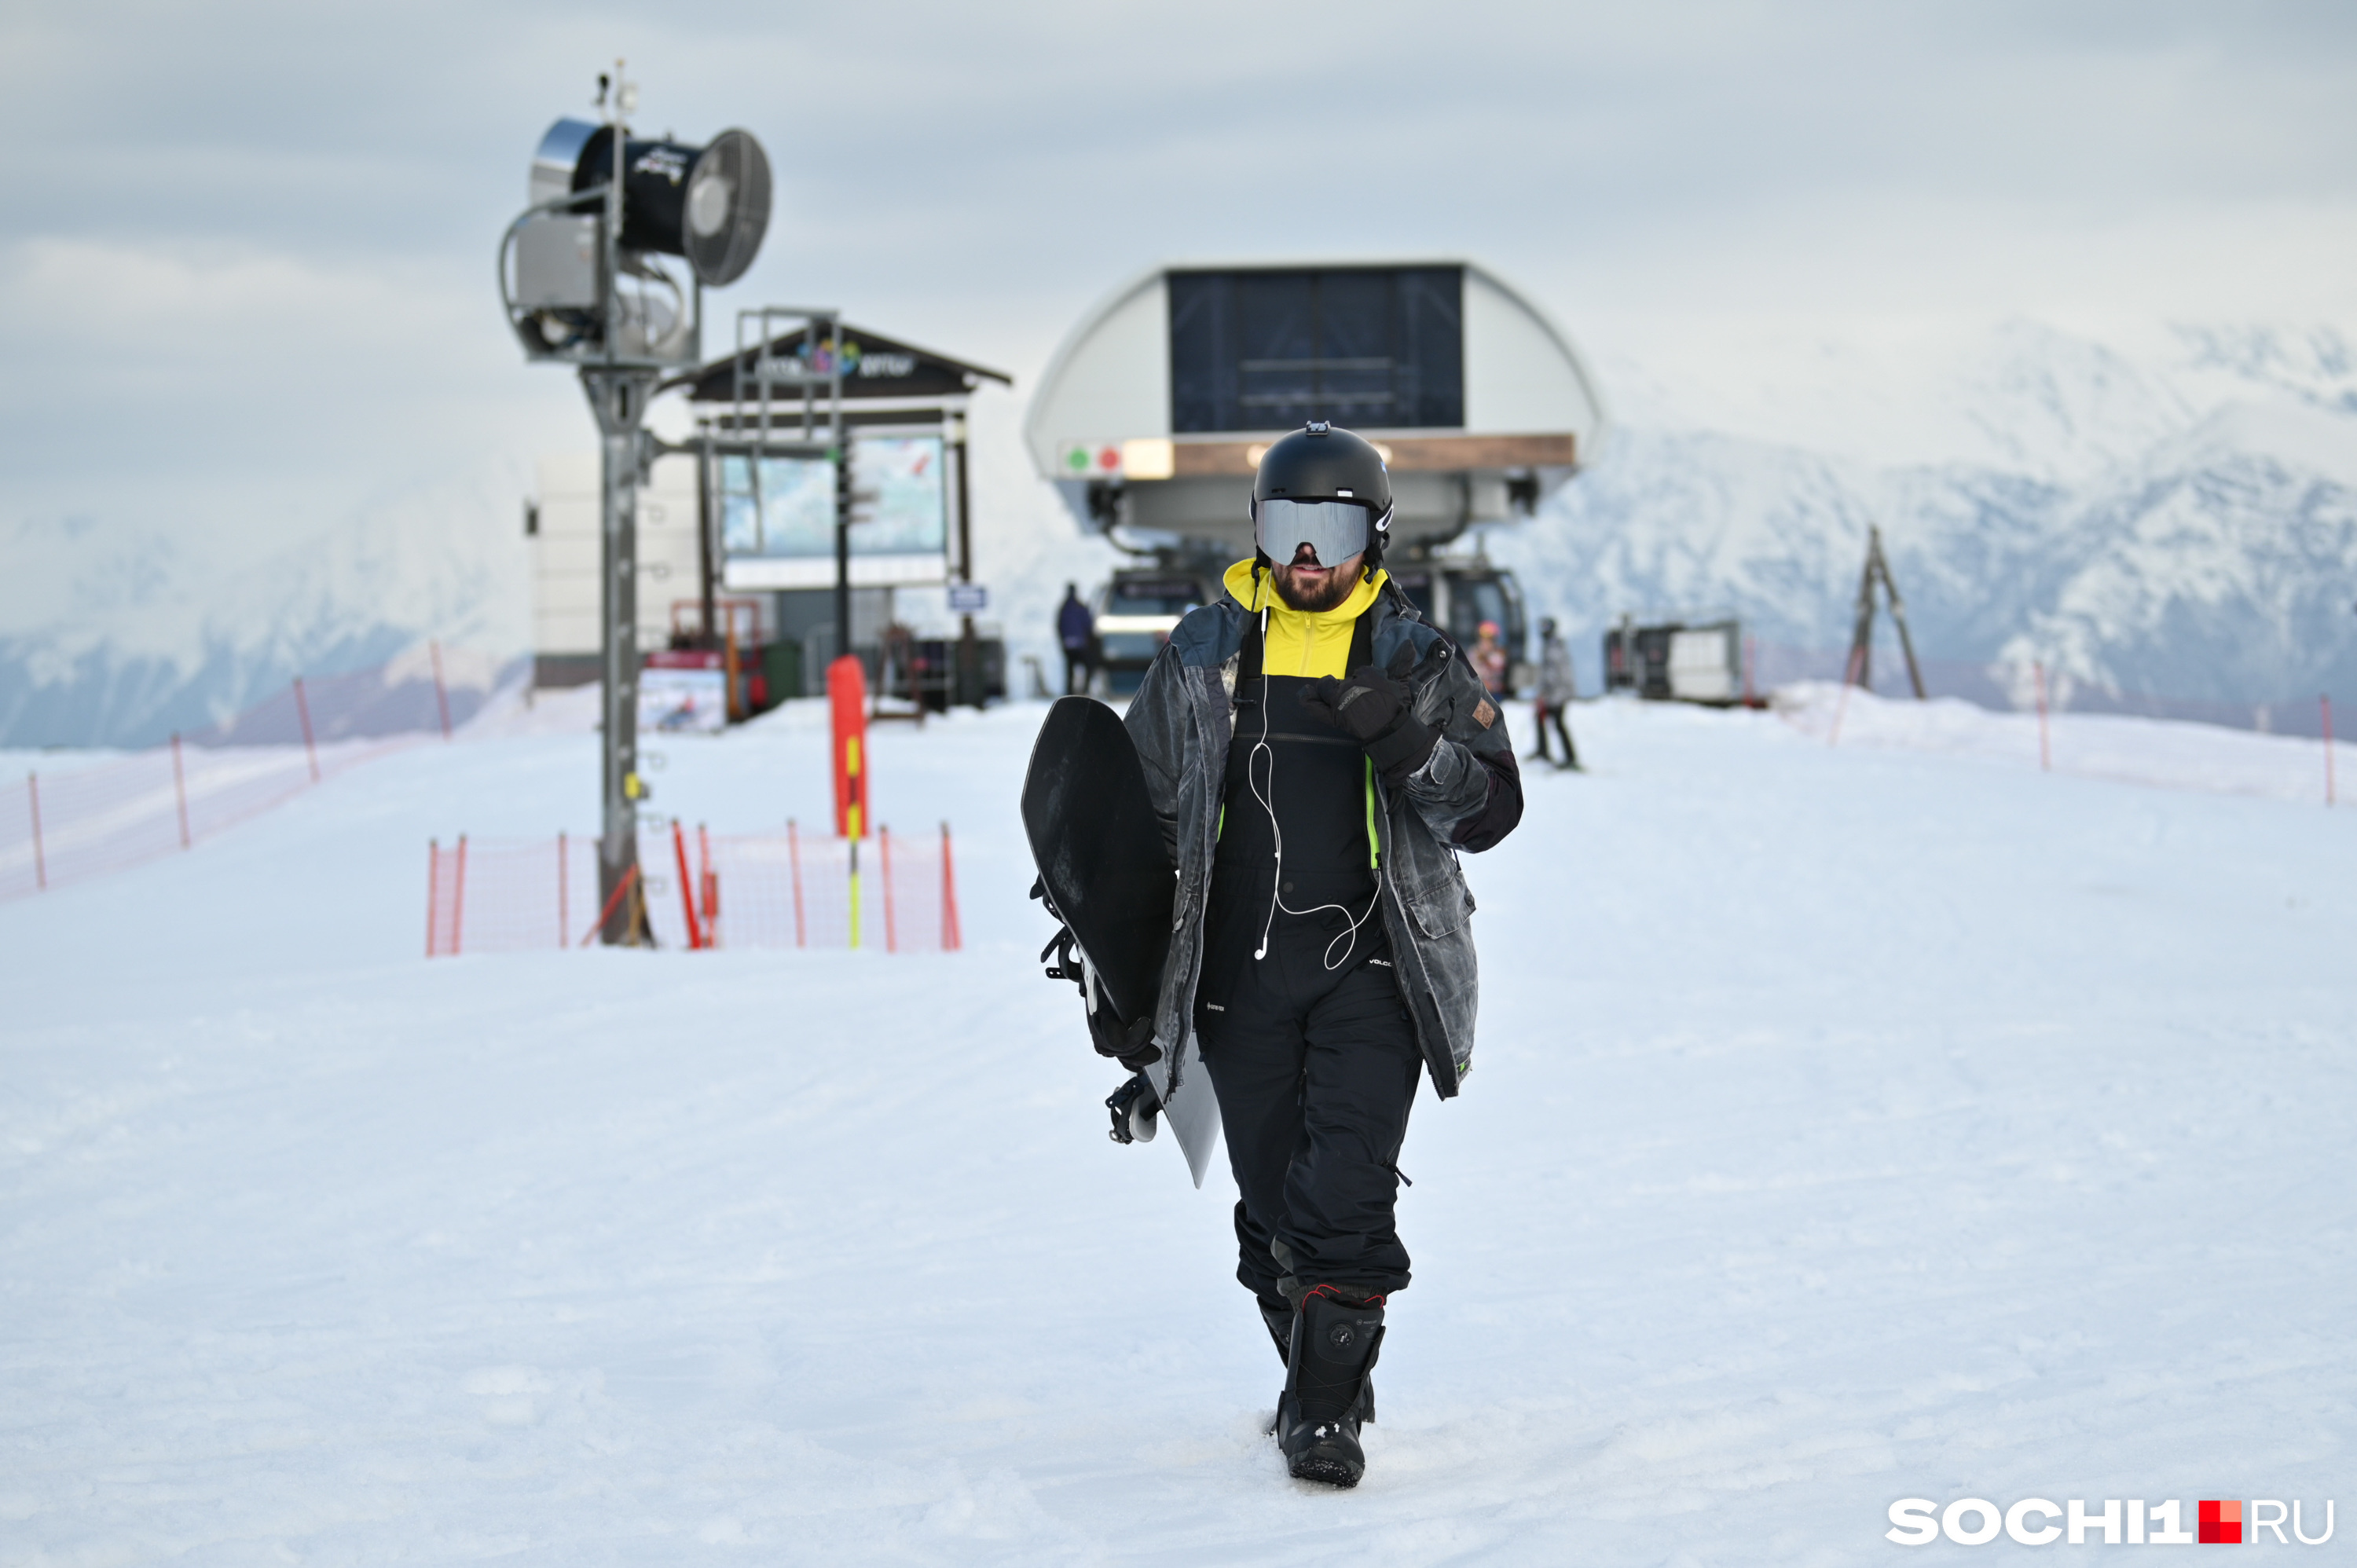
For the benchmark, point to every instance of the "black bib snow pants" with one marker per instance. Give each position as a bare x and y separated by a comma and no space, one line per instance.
1310,1052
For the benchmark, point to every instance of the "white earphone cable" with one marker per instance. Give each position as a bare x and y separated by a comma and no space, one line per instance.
1349,937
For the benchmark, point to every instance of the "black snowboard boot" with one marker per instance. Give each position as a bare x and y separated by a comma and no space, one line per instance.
1279,1318
1333,1348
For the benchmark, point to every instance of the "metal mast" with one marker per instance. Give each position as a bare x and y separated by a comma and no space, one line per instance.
618,396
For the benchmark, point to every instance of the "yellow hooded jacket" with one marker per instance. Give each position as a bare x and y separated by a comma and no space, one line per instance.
1302,642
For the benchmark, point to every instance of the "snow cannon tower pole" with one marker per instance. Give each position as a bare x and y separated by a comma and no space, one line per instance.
847,692
584,282
618,393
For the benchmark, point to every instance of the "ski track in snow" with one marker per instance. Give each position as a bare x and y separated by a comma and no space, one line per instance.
1847,1125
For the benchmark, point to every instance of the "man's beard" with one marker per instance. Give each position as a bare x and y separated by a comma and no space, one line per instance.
1330,593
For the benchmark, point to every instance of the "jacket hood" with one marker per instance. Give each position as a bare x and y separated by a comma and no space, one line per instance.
1239,582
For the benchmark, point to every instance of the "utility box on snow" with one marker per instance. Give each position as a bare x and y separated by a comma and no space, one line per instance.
1677,661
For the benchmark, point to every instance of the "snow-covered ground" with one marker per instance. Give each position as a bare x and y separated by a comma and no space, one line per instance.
2120,747
1848,1123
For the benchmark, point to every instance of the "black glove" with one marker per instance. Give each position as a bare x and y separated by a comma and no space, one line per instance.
1131,1044
1375,708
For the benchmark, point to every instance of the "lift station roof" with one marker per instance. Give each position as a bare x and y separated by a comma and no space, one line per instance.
1154,409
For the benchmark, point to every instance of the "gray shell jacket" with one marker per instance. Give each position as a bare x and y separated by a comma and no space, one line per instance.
1556,688
1468,795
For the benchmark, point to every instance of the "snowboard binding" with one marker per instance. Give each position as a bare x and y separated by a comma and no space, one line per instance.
1136,1110
1068,963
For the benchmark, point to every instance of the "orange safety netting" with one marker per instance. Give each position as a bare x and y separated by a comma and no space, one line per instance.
895,893
63,826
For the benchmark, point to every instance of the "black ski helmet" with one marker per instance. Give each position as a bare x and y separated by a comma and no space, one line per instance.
1320,462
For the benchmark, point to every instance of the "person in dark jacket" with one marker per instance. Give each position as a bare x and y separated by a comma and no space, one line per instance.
1318,758
1076,628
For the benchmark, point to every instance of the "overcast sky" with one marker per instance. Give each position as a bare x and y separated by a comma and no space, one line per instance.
246,261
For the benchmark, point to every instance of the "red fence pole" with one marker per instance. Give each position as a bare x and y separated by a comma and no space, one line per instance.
794,860
2327,701
40,865
563,904
1750,660
441,691
687,885
708,885
458,898
951,941
884,837
303,711
180,789
2045,751
433,890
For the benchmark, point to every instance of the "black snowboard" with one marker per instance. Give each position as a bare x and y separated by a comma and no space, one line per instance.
1099,849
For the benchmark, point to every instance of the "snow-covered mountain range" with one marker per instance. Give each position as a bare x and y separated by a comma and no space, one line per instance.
114,633
2181,519
2185,527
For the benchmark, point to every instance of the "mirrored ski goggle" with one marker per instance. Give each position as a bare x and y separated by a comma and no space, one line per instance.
1335,531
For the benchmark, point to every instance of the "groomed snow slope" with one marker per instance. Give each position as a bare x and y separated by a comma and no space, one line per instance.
1847,1124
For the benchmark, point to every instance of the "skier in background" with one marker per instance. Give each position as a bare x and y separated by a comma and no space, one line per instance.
1556,689
1077,629
1321,953
1489,660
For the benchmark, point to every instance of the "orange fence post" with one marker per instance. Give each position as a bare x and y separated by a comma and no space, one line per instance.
687,885
951,941
884,842
794,863
2327,701
564,902
2045,751
180,789
708,885
302,713
40,865
433,890
441,691
458,898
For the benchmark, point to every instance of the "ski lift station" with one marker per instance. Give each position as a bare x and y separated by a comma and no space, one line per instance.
1153,414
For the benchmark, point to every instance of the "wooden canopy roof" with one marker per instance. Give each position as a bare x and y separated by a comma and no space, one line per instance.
875,366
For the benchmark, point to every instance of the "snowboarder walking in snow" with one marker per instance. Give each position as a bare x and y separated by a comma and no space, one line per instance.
1556,689
1317,757
1076,628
